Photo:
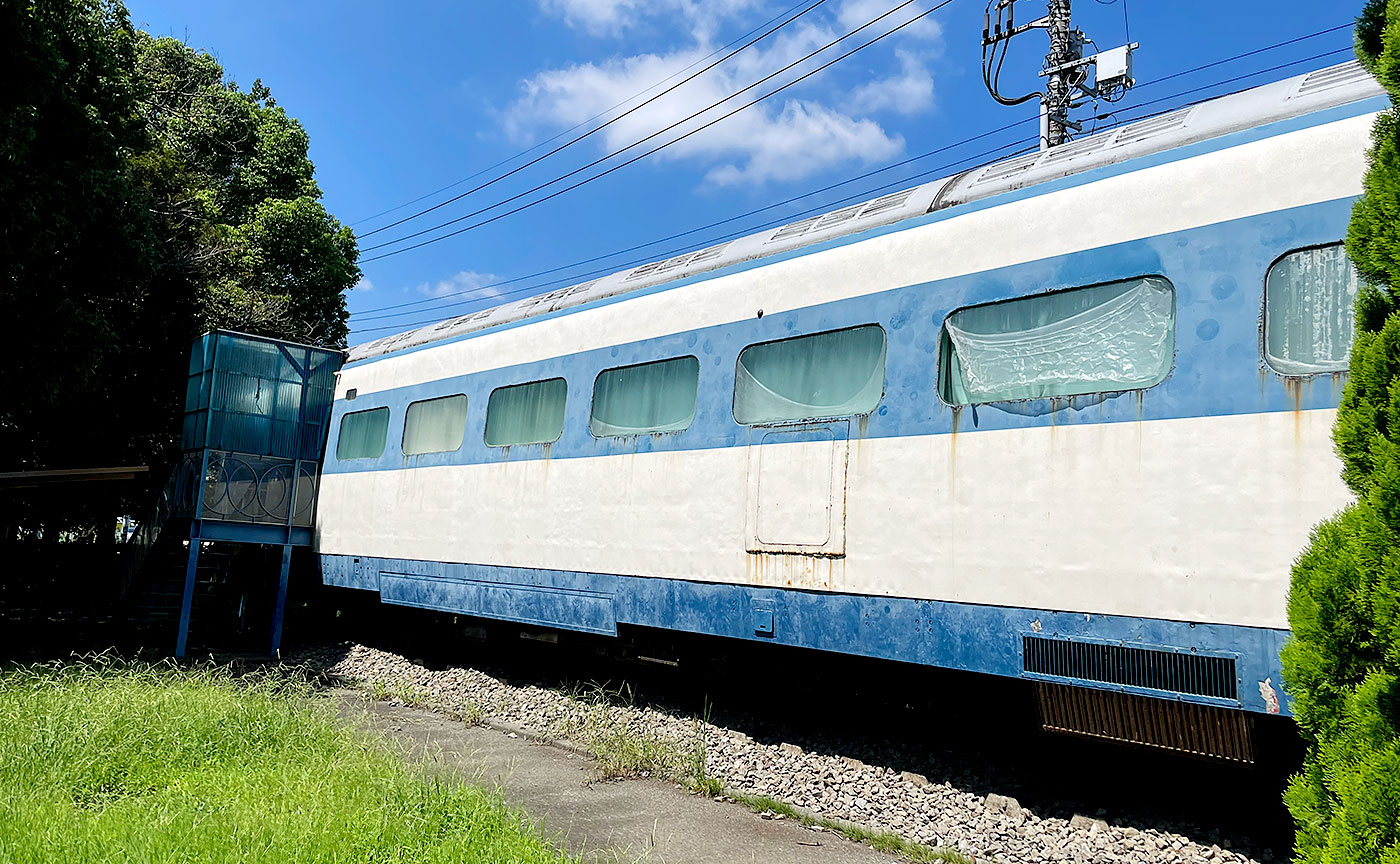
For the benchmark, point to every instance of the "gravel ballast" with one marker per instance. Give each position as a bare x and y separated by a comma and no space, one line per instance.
904,803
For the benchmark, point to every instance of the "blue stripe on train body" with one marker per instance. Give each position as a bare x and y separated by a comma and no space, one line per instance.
965,636
1218,273
1217,270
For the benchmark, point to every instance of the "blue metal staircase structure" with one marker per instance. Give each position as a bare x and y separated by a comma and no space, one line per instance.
252,442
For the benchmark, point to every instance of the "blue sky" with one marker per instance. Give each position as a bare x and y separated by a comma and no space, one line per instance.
403,99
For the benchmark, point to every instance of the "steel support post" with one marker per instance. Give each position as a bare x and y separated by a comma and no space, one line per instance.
280,609
187,598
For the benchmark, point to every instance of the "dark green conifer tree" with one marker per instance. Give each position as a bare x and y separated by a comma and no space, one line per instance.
1342,664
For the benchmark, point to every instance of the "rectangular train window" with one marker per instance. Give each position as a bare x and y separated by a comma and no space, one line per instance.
530,413
362,434
651,397
839,373
435,425
1099,339
1308,318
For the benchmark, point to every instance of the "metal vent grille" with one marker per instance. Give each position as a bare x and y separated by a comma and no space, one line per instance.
796,229
837,217
645,270
1007,170
707,254
888,202
1152,127
1077,148
1327,79
1182,727
1145,668
544,299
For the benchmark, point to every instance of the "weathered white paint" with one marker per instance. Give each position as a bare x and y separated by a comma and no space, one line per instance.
1194,519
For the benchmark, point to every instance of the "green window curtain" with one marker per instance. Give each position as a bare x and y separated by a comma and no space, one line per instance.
1101,339
835,374
526,413
652,397
1308,317
435,425
362,434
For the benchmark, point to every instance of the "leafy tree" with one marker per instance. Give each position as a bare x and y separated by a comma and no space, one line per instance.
76,239
1342,663
239,217
144,199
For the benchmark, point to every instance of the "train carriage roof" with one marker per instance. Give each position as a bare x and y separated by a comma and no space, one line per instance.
1247,109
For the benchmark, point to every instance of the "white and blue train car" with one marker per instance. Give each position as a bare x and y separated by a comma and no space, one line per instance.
1065,417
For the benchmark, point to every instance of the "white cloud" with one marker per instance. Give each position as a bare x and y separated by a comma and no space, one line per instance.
909,92
465,280
814,126
612,17
363,285
853,13
804,138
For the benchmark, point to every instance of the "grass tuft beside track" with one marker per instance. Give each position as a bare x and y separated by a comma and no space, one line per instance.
101,761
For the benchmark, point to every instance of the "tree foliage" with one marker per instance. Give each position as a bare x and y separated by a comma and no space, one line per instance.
144,199
1342,663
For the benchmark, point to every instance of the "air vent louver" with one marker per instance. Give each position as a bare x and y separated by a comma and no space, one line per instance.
707,254
1077,148
796,229
1144,130
1128,666
888,202
1008,169
1327,79
837,217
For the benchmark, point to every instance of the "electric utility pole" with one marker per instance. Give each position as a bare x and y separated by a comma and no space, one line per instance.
1071,79
1064,50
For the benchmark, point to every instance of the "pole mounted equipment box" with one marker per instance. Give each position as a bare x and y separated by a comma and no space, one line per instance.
1114,67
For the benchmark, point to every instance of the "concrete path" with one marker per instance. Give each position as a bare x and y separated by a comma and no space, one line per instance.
633,820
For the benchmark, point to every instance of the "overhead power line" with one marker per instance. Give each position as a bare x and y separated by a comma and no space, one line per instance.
1002,151
403,327
765,208
611,268
655,134
596,129
506,161
478,291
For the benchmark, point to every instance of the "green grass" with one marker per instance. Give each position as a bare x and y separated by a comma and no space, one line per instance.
105,762
620,752
881,840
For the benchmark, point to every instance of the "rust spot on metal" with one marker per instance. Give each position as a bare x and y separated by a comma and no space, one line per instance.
816,570
953,450
1294,388
1198,730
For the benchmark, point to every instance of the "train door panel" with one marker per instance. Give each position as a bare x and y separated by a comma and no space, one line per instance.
797,490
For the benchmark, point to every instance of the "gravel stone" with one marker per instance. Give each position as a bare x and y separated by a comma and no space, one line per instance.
836,786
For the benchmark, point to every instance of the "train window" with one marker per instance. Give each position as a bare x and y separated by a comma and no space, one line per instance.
526,413
1308,319
362,434
651,397
839,373
1099,339
435,425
